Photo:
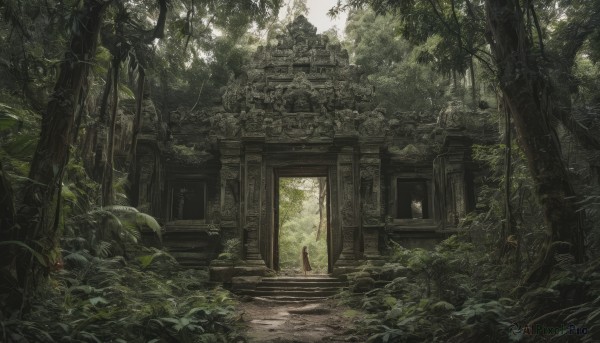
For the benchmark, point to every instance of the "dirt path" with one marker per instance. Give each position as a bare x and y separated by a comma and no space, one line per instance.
287,323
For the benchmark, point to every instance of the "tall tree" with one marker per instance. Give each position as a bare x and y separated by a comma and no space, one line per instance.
38,218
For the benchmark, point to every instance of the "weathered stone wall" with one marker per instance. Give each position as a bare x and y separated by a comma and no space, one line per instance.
301,109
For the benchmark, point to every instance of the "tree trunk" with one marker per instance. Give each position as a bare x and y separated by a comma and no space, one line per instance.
137,124
473,85
507,226
7,205
107,177
527,95
39,214
101,124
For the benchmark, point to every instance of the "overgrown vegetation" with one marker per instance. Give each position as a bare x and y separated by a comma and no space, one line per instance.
148,298
469,287
72,266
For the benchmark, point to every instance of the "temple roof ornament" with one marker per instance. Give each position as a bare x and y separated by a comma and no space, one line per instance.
301,87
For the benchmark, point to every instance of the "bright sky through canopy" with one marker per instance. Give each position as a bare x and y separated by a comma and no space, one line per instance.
318,15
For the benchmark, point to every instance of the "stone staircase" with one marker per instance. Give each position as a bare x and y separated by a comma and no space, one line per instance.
296,288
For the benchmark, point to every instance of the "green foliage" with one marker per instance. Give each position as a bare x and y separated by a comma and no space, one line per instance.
19,126
402,81
109,300
106,231
298,224
231,250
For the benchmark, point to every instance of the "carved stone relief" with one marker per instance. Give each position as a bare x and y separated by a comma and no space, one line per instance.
253,189
348,212
369,191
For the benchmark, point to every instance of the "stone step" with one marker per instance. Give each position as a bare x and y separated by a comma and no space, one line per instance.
290,300
316,278
288,293
303,284
311,288
296,288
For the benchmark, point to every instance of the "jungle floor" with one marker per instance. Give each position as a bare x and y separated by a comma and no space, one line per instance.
325,321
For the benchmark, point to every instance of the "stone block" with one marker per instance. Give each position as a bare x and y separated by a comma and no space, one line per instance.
244,282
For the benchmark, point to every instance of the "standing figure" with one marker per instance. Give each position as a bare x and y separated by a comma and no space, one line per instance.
305,262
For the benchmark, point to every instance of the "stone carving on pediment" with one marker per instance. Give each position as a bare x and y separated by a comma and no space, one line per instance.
253,122
225,125
302,87
298,125
373,123
345,122
298,96
324,126
273,125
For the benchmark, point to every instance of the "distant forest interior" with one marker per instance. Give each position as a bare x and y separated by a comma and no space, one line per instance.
302,222
163,162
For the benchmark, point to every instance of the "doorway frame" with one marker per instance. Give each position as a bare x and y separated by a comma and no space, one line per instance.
300,172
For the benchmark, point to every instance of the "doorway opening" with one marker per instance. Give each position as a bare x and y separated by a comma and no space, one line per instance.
301,218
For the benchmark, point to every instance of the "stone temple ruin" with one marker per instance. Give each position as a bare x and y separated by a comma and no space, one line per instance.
300,109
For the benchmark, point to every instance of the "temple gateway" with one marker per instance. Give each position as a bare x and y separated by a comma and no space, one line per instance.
300,109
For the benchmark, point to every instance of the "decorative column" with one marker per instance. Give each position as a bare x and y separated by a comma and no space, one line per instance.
347,205
253,199
457,156
230,190
370,198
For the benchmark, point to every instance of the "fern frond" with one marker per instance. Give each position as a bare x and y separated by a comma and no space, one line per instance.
120,208
76,259
143,219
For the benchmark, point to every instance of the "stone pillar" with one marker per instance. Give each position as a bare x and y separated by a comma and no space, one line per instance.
458,149
230,201
253,202
347,196
370,198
